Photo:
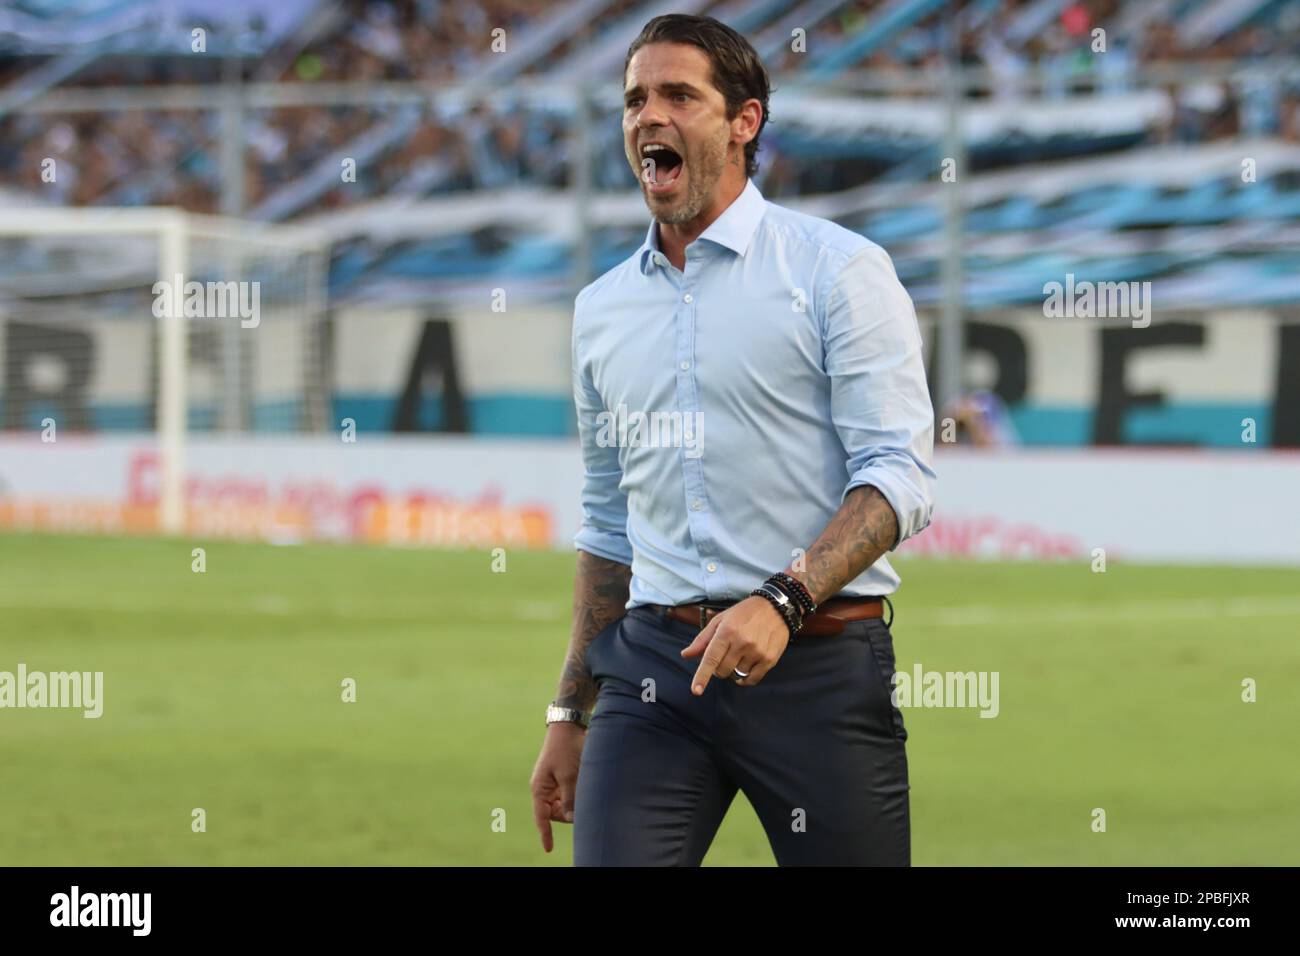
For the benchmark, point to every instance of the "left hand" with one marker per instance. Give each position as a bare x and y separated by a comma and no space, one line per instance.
750,636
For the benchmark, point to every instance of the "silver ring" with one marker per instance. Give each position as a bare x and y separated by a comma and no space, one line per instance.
739,673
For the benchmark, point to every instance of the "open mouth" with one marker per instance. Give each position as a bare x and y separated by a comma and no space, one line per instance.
661,165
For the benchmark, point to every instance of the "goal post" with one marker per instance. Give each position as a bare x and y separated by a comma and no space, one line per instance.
160,321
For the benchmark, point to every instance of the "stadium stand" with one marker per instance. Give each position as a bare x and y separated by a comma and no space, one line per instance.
465,158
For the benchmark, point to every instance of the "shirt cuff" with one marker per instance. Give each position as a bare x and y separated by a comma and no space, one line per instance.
911,506
604,544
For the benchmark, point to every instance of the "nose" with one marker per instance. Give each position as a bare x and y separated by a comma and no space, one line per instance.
650,115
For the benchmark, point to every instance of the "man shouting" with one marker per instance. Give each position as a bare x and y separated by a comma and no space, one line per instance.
728,626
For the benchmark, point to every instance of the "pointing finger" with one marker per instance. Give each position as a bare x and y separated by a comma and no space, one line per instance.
542,817
713,655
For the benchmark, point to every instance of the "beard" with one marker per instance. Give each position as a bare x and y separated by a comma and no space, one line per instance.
703,169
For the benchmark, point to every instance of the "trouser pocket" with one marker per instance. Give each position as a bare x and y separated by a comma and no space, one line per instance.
881,662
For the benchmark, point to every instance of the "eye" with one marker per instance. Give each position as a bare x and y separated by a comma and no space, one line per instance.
634,102
681,97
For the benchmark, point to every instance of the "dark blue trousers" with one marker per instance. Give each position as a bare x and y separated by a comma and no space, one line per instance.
817,747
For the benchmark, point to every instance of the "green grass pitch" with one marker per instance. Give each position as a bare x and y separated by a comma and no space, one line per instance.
1120,691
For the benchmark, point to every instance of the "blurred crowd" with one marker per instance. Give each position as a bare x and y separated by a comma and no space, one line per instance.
1064,57
172,156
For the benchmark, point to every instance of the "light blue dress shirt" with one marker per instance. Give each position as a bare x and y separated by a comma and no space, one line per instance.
725,411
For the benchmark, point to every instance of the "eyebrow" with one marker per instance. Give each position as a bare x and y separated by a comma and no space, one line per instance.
668,88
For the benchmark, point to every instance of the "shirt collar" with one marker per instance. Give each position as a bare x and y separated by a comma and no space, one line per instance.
734,229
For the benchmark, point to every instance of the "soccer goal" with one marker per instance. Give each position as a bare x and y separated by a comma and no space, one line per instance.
153,320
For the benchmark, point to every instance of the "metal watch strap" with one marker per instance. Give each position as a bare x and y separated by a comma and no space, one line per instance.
556,714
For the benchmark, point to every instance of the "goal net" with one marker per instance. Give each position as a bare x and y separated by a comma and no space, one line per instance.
160,322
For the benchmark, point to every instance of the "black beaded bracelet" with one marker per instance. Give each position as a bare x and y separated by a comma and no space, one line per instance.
789,594
785,606
796,588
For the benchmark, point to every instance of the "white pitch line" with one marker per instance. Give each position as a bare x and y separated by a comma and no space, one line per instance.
277,606
911,615
1012,614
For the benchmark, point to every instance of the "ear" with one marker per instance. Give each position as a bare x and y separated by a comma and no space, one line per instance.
747,121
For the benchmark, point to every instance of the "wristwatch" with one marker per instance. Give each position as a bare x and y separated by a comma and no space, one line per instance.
555,714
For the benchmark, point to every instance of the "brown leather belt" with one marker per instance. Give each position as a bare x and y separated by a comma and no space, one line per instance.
828,619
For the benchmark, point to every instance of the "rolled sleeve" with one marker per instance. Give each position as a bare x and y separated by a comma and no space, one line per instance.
603,531
880,403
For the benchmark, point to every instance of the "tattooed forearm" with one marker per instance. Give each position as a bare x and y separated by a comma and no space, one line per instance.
600,591
862,530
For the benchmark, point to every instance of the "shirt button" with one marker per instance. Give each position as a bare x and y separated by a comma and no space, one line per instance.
685,366
687,298
697,504
712,567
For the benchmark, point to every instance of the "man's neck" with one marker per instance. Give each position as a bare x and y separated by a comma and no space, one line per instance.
675,237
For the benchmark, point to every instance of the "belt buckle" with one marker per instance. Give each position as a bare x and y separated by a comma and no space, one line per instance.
707,607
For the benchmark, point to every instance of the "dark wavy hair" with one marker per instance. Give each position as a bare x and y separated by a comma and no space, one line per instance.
738,73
